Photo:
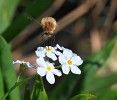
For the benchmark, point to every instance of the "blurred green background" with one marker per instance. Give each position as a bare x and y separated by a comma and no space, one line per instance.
88,27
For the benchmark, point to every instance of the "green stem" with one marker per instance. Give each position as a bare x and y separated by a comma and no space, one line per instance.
58,66
18,77
15,85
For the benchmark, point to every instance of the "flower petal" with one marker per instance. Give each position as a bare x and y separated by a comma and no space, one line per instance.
52,56
58,53
40,48
41,71
74,54
67,53
50,77
50,64
58,46
62,59
17,62
65,68
75,69
30,65
63,48
41,62
40,53
57,72
77,60
76,57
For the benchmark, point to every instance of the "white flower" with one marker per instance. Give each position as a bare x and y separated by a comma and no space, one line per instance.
48,69
25,63
70,61
48,51
58,47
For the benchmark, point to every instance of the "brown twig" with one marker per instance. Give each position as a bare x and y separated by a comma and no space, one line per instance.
111,15
109,20
95,36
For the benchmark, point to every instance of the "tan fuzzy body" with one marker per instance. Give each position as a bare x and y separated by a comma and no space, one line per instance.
49,25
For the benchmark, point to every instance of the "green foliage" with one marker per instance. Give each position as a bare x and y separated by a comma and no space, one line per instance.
7,70
100,58
7,9
36,8
108,94
38,92
16,85
1,84
101,83
27,92
84,97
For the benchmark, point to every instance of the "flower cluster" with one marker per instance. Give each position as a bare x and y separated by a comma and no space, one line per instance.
68,60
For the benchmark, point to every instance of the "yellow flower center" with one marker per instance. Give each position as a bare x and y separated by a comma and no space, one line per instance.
48,49
49,68
69,62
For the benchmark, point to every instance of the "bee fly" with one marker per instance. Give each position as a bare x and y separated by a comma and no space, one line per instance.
48,25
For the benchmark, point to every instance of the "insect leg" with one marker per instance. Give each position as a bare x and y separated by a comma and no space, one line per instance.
53,41
42,36
48,40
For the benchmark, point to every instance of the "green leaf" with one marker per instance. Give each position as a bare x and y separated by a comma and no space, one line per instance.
91,77
102,83
16,85
27,92
86,96
1,84
7,69
108,94
64,88
7,9
38,92
102,87
35,9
